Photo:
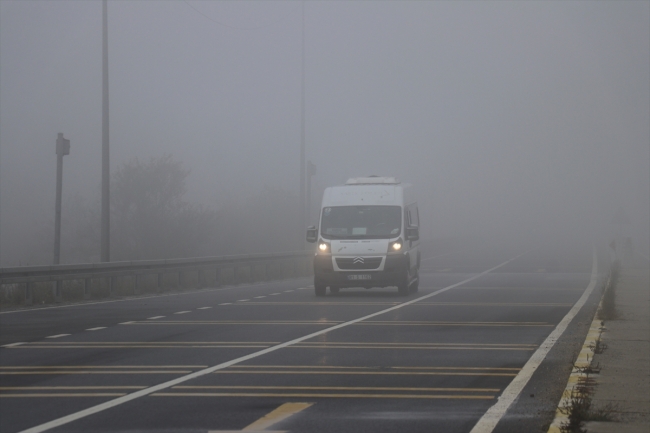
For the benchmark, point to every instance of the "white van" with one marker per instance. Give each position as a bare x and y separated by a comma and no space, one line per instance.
368,236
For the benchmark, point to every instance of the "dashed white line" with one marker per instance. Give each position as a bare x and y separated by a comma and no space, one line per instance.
204,308
182,312
155,317
273,294
259,297
96,329
243,300
13,344
58,336
127,323
226,303
286,291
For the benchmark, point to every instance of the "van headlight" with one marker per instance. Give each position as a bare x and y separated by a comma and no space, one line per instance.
395,246
323,247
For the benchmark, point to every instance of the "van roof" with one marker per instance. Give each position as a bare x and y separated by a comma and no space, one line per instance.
372,180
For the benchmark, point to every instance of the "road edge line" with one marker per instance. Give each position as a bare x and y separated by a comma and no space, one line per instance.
577,375
491,418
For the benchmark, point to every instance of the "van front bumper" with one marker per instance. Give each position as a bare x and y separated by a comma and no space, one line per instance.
394,273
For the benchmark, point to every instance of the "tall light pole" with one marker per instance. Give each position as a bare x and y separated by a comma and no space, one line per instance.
105,254
62,149
303,222
311,170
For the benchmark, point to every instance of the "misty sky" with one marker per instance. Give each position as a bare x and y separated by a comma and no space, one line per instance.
509,117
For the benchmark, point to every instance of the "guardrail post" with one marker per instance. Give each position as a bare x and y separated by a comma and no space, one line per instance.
217,277
159,282
57,289
29,293
87,287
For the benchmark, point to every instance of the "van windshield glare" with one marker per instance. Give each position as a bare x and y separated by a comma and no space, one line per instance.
361,222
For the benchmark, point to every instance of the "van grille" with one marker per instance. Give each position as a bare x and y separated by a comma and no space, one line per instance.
355,263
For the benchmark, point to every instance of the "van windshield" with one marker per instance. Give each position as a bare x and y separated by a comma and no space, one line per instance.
361,222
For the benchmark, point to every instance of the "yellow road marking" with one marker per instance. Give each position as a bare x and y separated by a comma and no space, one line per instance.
354,343
143,346
306,345
375,368
95,394
240,322
281,413
379,373
496,304
306,366
344,388
441,347
53,343
421,344
27,388
314,395
40,367
6,373
319,303
460,368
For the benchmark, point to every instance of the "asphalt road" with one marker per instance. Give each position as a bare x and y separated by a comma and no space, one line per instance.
437,364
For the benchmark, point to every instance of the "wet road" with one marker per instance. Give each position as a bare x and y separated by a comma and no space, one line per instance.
273,357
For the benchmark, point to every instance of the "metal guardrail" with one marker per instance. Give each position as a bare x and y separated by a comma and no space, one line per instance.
261,267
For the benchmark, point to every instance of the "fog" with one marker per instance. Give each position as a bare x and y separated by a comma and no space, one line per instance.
517,122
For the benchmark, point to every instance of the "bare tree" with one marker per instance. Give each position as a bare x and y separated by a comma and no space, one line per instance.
150,218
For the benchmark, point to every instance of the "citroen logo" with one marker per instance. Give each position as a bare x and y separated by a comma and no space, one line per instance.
357,260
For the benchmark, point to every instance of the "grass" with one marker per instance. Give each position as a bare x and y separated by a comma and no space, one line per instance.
580,408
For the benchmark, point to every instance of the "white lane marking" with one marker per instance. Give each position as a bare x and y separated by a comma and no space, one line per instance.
260,297
155,317
302,288
139,298
58,336
243,300
126,323
273,294
14,344
287,291
226,303
125,399
490,419
182,312
96,329
204,308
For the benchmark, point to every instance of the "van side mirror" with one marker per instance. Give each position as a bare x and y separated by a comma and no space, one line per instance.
412,234
312,234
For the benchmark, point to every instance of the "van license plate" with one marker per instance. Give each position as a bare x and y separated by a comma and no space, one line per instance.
359,277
